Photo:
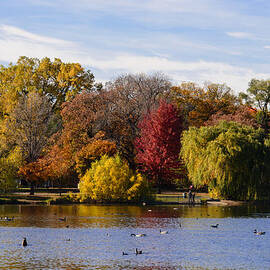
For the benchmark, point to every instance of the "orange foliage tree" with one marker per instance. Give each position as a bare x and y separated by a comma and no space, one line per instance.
80,130
34,172
199,103
93,151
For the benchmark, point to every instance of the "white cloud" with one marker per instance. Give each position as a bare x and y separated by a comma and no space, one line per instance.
15,42
200,71
17,33
243,35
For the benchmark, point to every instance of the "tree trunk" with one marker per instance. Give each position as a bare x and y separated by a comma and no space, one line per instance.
32,189
159,185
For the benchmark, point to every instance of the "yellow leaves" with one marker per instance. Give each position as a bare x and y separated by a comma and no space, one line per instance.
15,157
69,77
8,169
111,179
61,81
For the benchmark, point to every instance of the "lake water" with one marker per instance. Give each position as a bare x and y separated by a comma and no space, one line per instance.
94,237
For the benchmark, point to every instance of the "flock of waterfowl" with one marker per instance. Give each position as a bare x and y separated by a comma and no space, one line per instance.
166,232
137,252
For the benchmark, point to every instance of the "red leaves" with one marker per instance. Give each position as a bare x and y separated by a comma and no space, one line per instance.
158,146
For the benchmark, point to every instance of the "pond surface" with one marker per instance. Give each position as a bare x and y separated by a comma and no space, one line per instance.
94,237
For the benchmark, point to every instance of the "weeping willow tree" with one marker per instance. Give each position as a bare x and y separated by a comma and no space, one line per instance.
231,159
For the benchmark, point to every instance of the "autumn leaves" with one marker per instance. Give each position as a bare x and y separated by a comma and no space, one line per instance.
58,125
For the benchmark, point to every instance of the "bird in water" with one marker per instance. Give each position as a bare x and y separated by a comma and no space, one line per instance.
258,233
163,232
62,218
138,235
24,242
124,253
138,251
215,226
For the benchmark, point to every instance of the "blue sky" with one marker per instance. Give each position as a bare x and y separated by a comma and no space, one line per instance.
222,41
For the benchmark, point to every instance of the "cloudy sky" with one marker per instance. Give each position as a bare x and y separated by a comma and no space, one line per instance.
222,41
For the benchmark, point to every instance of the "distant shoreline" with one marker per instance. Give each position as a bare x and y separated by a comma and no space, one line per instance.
166,198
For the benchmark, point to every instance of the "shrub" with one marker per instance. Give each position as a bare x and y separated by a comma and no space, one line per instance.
111,180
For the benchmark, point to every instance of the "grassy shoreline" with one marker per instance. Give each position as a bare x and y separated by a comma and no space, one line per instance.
58,196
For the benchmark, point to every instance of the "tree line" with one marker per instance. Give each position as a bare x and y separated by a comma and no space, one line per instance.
135,132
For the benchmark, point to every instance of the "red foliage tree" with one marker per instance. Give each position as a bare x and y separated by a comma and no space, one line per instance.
158,146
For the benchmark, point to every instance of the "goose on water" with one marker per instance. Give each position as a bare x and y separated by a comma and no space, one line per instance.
163,232
138,235
215,226
24,242
138,251
258,233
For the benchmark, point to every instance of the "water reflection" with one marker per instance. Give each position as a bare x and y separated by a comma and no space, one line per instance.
99,234
117,215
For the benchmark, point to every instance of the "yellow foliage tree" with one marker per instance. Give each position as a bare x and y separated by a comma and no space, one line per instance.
111,179
57,80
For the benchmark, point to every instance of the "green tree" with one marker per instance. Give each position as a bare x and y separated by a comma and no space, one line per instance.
111,179
231,159
258,95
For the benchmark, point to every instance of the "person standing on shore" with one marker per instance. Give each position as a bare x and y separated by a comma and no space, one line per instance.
189,196
193,198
